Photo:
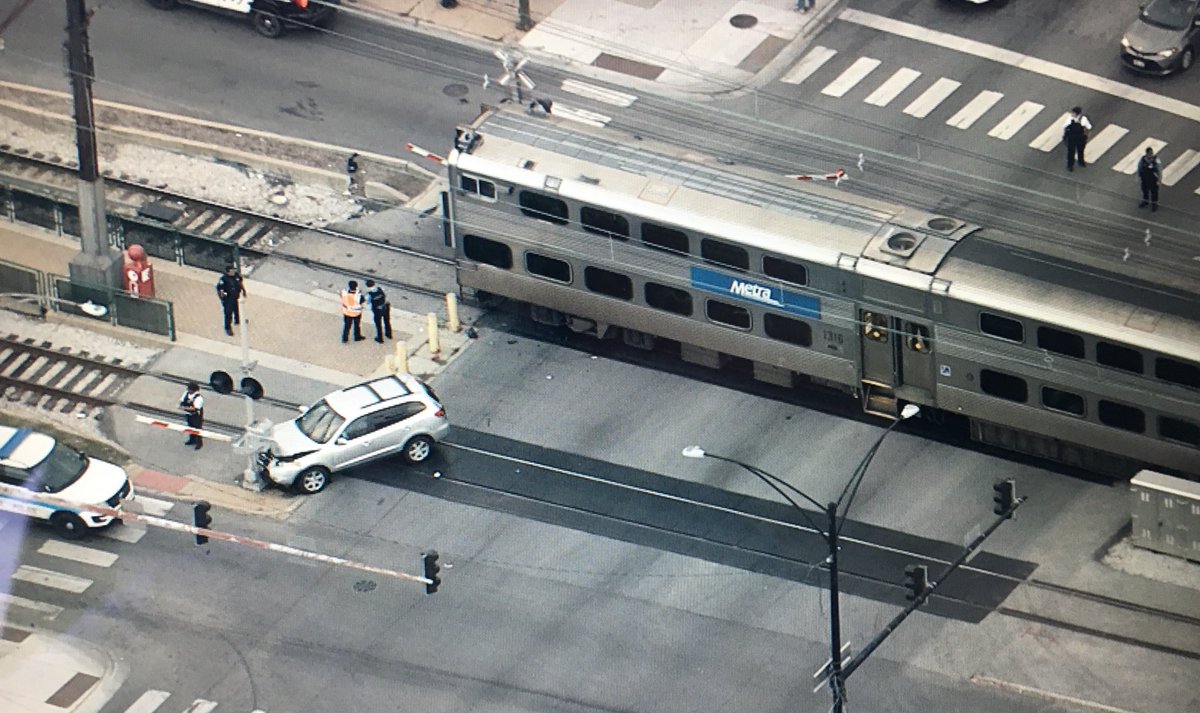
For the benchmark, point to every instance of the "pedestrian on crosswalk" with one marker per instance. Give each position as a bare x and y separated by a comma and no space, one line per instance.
192,404
352,309
1149,171
1075,135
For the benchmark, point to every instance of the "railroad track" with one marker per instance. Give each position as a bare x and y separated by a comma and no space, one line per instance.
37,374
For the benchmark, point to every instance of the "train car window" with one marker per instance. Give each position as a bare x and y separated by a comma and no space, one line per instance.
916,337
487,251
1179,372
669,239
604,223
785,329
1115,355
721,253
1177,430
1062,401
874,327
1126,418
785,270
605,282
478,186
669,299
1060,342
543,207
1005,386
1001,327
548,267
724,313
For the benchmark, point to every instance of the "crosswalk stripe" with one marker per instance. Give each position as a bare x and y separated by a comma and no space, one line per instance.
1103,141
1180,167
153,506
50,578
1052,136
890,89
848,79
583,116
148,702
965,117
48,611
1129,163
1015,121
601,94
808,64
86,555
931,98
201,706
131,534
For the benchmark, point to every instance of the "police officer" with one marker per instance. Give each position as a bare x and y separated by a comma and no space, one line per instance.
381,311
1075,135
352,309
351,173
230,289
1149,171
192,404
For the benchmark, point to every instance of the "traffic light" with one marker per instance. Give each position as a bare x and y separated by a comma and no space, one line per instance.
1005,497
201,519
916,580
430,560
222,383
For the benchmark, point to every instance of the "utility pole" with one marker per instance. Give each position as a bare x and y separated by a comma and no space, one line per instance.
97,263
524,21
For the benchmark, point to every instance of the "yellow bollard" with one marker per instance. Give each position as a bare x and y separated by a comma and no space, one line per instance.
452,313
431,327
399,361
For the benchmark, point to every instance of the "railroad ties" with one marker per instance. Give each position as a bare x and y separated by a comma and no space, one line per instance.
38,375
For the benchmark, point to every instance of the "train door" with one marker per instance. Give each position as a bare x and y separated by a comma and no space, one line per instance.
896,357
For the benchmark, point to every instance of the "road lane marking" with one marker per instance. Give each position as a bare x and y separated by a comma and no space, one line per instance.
153,506
1103,141
1015,121
890,89
86,555
1129,163
600,94
582,116
1052,136
148,702
931,98
50,578
854,74
808,64
977,107
48,611
1021,61
124,533
1180,167
201,706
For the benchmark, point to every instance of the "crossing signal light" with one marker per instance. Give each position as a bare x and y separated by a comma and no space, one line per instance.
1005,496
201,519
222,383
430,560
916,580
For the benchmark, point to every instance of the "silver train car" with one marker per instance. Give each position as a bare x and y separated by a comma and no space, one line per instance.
621,238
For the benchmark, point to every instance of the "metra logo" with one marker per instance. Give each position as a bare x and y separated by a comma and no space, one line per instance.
751,291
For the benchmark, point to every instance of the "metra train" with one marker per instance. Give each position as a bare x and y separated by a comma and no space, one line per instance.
615,237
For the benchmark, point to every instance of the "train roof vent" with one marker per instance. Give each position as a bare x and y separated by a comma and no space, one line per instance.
589,179
901,243
942,224
465,139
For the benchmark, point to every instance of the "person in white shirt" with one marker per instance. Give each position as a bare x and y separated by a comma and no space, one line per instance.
1075,135
192,404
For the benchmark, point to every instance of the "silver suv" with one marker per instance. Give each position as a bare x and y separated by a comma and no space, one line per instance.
353,426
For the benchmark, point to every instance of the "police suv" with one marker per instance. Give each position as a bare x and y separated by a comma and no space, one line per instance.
34,464
270,17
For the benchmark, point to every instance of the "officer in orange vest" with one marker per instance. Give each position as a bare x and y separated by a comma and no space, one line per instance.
352,309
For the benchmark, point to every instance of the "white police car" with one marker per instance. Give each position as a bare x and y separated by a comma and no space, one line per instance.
36,464
270,17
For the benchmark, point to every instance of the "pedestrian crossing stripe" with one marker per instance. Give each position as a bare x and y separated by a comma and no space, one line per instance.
808,64
1180,167
1129,163
201,706
77,553
131,534
931,98
966,117
1099,144
601,94
47,611
854,74
1015,121
50,578
1052,136
153,506
148,702
889,90
583,116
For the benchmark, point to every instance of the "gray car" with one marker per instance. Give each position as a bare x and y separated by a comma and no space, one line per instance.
352,426
1164,38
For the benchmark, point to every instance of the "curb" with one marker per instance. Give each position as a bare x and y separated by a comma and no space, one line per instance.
270,503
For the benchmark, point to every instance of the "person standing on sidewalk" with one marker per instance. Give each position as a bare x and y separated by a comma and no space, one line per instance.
381,310
352,309
805,5
351,173
230,289
1149,171
192,404
1075,135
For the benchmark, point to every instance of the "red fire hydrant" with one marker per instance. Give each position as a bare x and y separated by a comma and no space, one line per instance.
138,274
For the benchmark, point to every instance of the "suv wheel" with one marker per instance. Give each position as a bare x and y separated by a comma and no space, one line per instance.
418,449
268,24
312,481
68,525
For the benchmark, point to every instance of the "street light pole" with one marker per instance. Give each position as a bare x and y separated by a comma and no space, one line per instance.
837,684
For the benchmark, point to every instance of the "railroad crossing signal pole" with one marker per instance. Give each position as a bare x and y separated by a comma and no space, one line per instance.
97,263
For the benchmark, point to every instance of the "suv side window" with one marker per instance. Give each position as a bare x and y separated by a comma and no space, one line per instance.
13,476
395,414
362,426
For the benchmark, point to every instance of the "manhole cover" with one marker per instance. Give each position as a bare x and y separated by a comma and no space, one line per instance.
455,91
743,22
364,585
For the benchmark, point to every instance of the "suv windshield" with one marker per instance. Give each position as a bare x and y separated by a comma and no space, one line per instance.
320,422
1170,14
62,467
